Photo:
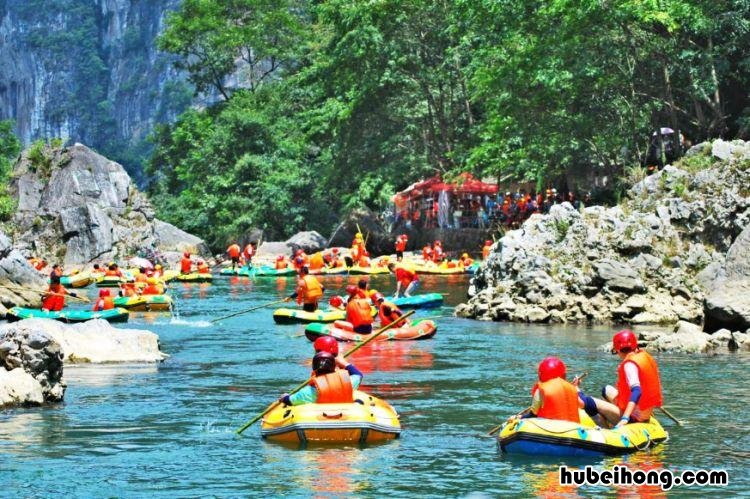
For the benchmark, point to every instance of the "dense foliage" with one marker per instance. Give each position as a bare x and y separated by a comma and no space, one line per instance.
332,104
10,146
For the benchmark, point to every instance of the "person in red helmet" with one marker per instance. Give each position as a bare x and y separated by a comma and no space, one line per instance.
336,302
437,252
387,311
281,262
326,344
553,397
401,246
186,264
329,385
105,301
638,389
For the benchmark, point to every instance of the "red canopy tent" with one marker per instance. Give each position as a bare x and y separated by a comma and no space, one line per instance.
466,183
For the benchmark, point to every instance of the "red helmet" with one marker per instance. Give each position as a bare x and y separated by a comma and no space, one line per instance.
335,250
488,242
103,293
336,301
624,339
299,252
551,368
351,289
280,257
404,236
186,254
438,243
326,344
378,297
324,363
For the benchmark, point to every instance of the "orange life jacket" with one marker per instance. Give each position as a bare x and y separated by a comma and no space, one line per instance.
648,374
363,261
203,269
113,273
152,289
310,289
400,244
317,262
128,289
249,251
333,388
185,265
140,278
394,315
358,312
281,264
467,262
559,400
405,276
104,303
233,251
55,302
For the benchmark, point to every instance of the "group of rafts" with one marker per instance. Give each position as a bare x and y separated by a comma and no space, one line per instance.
121,292
364,418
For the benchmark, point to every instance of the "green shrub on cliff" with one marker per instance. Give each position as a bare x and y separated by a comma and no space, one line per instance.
10,146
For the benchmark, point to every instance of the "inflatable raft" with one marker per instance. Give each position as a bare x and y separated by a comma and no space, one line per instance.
110,281
194,277
342,331
297,316
357,270
554,437
426,300
144,303
112,315
436,270
366,420
79,280
272,272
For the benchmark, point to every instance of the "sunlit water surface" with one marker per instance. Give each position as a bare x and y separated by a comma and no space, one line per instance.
168,429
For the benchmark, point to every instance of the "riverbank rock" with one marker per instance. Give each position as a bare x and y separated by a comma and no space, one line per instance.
18,279
309,241
680,236
690,338
374,229
76,206
95,341
31,367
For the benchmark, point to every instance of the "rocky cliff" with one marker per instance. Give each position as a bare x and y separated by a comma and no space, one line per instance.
671,251
76,206
87,70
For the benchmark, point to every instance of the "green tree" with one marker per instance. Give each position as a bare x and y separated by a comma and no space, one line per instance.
10,146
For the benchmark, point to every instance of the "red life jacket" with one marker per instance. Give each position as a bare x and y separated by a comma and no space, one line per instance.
249,251
113,273
185,265
648,374
104,303
486,251
400,244
334,388
394,315
358,312
559,400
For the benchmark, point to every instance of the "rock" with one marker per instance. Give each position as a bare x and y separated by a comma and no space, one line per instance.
171,238
310,241
271,248
94,341
17,278
737,266
729,306
379,240
721,149
31,367
618,275
687,328
693,342
86,208
698,149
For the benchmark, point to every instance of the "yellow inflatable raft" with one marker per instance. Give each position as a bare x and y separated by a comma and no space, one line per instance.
366,420
194,277
564,438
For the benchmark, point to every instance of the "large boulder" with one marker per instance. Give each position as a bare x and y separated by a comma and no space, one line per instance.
95,341
77,206
728,304
618,275
379,241
31,367
309,241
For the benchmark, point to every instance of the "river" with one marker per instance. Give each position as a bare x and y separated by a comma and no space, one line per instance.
168,430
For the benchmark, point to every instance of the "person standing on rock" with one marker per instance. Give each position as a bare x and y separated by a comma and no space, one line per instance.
406,278
401,246
638,389
486,249
54,298
309,291
233,251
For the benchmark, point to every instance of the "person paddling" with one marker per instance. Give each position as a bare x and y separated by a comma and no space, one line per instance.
105,301
186,264
309,291
638,389
328,384
553,397
387,311
54,298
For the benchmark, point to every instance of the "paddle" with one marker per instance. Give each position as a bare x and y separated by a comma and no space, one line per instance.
306,382
669,415
525,411
248,310
20,288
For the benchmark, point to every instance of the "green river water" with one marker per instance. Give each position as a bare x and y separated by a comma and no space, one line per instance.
168,430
